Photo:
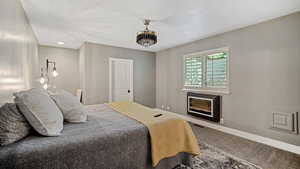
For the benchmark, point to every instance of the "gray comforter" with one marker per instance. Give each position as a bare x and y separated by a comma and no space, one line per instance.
109,140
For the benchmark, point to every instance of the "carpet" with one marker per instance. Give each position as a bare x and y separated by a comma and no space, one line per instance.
214,158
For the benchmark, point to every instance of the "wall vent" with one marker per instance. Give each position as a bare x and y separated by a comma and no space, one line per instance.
286,121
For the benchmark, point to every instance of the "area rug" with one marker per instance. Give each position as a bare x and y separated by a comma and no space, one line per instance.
214,158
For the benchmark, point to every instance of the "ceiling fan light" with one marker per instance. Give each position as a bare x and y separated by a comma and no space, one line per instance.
54,73
42,80
147,37
45,86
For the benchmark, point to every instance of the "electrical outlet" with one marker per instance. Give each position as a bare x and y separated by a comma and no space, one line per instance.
222,121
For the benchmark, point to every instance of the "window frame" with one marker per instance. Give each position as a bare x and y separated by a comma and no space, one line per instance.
209,90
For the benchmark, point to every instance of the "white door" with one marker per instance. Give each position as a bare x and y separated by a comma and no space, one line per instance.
120,80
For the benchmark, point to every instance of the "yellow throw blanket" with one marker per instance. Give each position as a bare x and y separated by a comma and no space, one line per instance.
169,133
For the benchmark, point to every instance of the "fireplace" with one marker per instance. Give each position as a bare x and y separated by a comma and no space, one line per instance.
204,106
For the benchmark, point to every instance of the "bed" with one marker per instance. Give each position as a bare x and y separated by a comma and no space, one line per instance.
109,140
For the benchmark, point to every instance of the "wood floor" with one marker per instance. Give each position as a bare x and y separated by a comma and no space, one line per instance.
265,156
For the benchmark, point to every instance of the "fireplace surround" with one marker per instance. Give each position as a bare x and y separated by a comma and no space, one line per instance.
204,106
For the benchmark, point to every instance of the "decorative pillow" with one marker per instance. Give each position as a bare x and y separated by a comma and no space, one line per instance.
13,125
40,111
72,109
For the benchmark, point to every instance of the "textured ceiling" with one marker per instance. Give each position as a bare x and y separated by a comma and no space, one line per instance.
115,22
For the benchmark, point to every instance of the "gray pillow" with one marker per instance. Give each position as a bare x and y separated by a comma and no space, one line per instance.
40,111
13,125
72,109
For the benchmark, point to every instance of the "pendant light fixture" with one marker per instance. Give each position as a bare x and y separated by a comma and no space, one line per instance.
44,79
146,37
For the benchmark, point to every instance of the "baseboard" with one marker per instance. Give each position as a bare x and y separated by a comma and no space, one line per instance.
253,137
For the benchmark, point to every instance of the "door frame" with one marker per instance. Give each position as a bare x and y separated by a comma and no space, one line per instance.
130,61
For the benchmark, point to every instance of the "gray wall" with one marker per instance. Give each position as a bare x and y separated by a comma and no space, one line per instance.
67,64
264,75
19,62
94,71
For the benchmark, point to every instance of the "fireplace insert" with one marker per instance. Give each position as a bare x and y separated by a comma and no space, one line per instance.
204,106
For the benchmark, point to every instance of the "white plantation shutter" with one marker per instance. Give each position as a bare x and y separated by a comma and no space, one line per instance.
216,72
193,71
206,70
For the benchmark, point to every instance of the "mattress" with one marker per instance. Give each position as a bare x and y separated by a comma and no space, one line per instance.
109,140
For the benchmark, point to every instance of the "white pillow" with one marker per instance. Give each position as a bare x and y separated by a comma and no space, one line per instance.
72,109
40,111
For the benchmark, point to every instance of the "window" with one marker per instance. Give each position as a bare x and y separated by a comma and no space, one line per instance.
207,70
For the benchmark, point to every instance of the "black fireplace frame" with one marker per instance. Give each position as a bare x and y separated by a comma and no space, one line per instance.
216,106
